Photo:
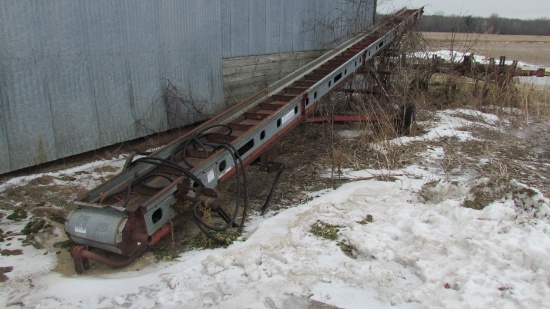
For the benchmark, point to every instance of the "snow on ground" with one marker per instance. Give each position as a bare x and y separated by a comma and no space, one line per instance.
422,249
87,175
533,80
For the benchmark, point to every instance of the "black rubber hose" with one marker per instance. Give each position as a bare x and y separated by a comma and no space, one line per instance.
221,211
196,137
170,164
197,142
235,213
270,196
200,223
206,232
137,182
245,184
142,179
225,217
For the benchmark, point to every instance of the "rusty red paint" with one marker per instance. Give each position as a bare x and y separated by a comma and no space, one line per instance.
82,256
346,118
158,235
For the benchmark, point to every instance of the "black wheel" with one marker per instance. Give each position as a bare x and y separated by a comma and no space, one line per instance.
405,119
410,117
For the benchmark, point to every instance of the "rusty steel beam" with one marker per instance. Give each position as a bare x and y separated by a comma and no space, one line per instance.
346,118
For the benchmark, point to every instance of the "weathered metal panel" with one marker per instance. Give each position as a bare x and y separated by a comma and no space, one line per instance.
287,26
79,75
309,14
370,16
273,26
254,27
4,147
68,82
28,123
257,27
117,31
240,18
206,84
225,27
319,26
298,17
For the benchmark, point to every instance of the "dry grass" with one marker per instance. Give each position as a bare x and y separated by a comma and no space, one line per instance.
534,100
480,193
452,89
105,169
42,198
500,154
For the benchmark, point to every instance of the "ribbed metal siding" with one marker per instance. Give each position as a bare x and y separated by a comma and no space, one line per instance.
255,27
79,75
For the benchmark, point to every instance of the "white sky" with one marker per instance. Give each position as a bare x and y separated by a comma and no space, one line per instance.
524,9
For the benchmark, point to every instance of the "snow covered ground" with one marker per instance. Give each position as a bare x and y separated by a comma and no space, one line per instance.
422,249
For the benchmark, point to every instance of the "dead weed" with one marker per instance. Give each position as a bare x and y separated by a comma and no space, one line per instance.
37,198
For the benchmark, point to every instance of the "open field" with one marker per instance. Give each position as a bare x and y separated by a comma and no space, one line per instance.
527,48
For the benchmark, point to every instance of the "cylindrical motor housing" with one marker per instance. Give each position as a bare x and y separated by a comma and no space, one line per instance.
100,228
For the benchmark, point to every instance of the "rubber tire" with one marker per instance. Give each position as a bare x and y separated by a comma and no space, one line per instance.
405,119
409,117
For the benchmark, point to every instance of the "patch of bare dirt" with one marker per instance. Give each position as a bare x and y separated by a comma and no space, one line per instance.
39,193
3,271
518,153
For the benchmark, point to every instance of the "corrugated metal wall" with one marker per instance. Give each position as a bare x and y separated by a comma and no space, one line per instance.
255,27
79,75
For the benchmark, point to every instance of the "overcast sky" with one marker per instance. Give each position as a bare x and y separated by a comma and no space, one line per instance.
524,9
